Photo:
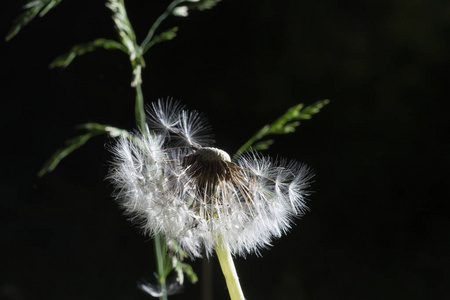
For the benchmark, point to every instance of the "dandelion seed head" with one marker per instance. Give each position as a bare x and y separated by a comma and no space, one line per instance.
171,182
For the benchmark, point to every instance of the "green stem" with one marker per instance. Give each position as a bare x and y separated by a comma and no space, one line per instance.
159,243
139,108
259,135
229,271
160,257
244,147
158,21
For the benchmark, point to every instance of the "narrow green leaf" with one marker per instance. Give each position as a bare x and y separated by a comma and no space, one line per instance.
162,37
60,154
263,145
73,144
49,6
64,60
177,254
105,129
315,108
31,9
285,124
203,4
187,269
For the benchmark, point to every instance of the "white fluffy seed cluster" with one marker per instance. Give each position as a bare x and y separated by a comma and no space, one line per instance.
169,181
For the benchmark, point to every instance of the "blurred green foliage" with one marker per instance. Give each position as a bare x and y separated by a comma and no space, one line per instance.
31,9
283,125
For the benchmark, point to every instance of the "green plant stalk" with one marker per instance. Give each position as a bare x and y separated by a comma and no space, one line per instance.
139,108
158,240
158,21
229,270
247,145
159,247
159,243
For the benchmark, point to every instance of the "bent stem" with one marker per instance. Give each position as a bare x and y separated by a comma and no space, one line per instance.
229,271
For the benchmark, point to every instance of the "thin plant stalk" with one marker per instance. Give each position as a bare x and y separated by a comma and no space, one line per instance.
159,248
151,32
139,108
229,270
159,243
140,124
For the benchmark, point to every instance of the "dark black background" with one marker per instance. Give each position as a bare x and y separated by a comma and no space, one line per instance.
378,226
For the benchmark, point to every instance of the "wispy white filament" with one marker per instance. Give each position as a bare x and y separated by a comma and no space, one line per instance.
173,183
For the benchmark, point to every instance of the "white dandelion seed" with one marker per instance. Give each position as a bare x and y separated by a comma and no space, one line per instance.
175,184
156,291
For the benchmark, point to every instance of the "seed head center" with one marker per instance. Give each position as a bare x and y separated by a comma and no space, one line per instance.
212,155
208,166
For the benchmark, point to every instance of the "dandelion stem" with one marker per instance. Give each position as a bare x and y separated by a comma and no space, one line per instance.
229,271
